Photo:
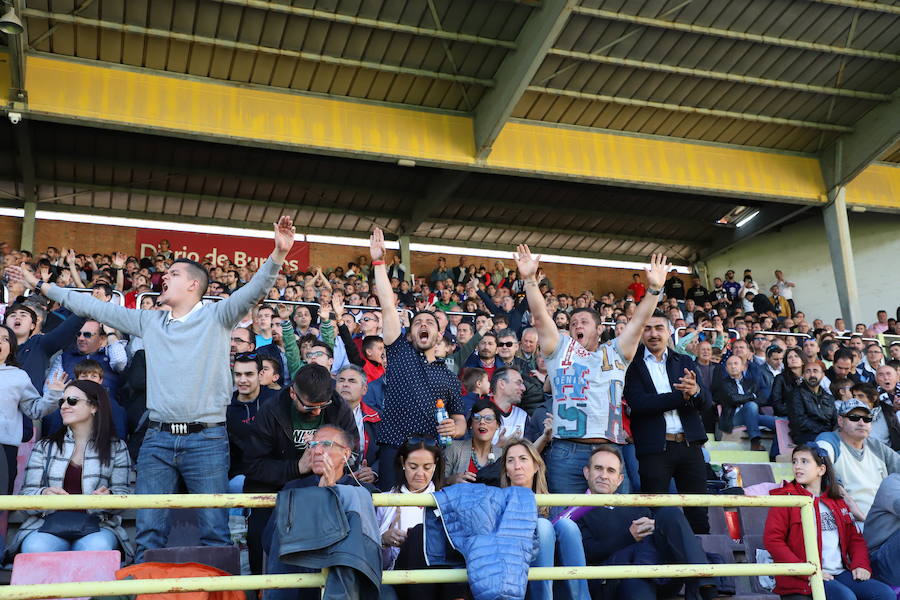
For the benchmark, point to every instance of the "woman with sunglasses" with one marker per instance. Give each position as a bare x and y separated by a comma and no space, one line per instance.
84,457
19,397
842,549
474,459
420,466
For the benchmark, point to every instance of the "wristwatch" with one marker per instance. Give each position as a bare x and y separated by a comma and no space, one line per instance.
654,292
39,284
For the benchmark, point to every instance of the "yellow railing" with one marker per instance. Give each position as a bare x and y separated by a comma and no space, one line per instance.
811,568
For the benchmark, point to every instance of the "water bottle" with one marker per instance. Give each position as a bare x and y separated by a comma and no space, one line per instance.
440,415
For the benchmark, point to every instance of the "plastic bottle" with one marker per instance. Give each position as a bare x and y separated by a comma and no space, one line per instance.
440,415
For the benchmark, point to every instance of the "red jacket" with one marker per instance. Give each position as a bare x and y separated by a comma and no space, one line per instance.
784,538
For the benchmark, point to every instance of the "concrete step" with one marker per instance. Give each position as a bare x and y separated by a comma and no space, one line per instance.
737,456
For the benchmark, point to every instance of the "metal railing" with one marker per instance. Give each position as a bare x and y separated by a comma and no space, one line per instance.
811,567
678,331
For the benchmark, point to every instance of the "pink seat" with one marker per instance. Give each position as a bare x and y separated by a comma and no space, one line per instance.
785,443
65,567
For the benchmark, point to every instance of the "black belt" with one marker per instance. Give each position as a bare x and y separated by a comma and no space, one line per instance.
182,428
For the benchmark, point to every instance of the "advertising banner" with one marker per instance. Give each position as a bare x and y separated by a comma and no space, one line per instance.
219,248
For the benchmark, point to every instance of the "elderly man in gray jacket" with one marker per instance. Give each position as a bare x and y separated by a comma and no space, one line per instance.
883,531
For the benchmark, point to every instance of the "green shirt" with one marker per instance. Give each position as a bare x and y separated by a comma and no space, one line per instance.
305,430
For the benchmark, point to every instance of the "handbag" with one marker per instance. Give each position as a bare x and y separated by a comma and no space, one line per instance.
70,525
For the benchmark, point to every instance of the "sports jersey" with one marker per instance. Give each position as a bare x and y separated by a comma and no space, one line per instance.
587,391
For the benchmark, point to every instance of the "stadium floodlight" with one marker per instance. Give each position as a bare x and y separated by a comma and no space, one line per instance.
10,23
747,219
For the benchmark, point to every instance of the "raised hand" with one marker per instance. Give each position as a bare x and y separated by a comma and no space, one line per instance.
58,382
284,235
70,257
337,304
376,244
17,274
285,311
527,264
687,384
656,273
118,260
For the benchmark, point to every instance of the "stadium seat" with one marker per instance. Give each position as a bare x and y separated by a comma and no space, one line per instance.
753,473
753,520
226,558
752,544
184,528
65,567
717,523
785,443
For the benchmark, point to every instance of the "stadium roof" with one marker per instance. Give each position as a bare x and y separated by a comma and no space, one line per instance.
608,128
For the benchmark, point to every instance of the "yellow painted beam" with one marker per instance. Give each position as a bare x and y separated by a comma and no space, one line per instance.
73,91
878,186
5,78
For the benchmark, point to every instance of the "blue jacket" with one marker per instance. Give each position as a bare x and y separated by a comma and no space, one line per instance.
495,531
475,361
647,407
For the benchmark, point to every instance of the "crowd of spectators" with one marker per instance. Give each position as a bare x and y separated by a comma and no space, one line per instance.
209,378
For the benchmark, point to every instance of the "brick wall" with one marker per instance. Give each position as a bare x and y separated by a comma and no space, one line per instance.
90,238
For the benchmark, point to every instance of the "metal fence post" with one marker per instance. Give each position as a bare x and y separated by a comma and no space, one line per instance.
811,544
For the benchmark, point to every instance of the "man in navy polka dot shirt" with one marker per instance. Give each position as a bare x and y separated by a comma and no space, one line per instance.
414,378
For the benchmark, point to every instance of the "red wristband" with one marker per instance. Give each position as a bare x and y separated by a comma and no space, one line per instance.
375,263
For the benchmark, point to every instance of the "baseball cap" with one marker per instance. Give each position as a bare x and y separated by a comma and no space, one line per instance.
847,406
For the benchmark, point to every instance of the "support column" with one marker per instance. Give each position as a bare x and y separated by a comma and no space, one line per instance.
28,223
406,257
837,228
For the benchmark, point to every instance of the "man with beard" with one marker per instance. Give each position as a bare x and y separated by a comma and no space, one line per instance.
812,410
486,356
508,352
414,378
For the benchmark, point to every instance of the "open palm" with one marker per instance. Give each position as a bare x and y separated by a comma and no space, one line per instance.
527,264
656,273
284,234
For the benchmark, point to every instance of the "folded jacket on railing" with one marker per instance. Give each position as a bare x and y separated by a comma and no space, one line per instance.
494,530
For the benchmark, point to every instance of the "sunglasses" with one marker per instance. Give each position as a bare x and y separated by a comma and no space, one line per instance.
416,440
304,407
86,334
505,344
484,418
858,418
70,400
324,443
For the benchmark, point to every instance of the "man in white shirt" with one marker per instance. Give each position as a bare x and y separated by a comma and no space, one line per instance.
507,387
785,289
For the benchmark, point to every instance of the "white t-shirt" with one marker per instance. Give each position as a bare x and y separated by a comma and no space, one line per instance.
831,542
587,391
512,426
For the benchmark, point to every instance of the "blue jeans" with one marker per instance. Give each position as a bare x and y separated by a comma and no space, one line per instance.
38,541
236,486
201,461
543,590
565,468
885,563
748,415
570,553
844,587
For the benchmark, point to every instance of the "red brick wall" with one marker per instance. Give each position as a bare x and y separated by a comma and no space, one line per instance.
90,238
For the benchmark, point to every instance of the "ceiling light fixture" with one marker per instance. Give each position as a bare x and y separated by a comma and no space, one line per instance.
747,219
10,23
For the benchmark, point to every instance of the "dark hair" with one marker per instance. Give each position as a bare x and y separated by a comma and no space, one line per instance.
837,384
611,449
86,366
593,313
323,346
107,289
274,363
829,479
369,341
411,445
868,389
482,404
471,377
103,431
499,374
11,360
249,357
844,353
197,271
314,382
490,334
658,314
25,308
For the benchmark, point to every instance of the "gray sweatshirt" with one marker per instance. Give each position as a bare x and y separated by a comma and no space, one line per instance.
188,372
883,519
18,394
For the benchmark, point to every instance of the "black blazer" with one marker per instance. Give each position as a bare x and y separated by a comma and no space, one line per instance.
646,407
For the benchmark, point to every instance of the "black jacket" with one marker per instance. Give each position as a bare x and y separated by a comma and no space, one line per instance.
810,414
646,406
783,389
239,418
514,316
270,456
605,531
533,396
730,399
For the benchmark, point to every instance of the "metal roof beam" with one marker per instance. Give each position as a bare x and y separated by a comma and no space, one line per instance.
210,41
507,226
770,216
846,157
439,192
733,35
862,5
87,188
706,74
516,71
712,112
333,17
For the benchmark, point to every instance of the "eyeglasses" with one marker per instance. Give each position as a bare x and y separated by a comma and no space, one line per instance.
324,443
505,344
858,418
237,340
70,400
484,418
86,334
304,407
316,354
